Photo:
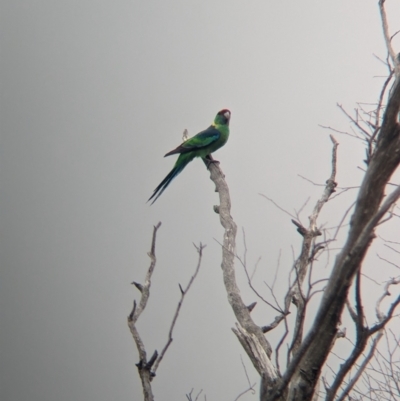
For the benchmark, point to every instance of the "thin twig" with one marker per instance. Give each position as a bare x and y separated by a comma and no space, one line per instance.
178,308
388,38
364,364
280,208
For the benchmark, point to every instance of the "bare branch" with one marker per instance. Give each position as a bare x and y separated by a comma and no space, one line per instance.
138,286
307,254
351,311
245,370
359,306
388,261
278,346
342,220
379,106
379,314
280,208
259,358
143,366
146,287
249,278
339,132
249,281
355,121
178,308
189,396
249,334
388,38
275,323
364,364
368,212
301,208
251,388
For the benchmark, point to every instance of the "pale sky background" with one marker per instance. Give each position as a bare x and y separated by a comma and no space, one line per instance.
93,94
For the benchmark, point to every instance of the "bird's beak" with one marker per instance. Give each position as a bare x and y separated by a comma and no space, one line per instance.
227,115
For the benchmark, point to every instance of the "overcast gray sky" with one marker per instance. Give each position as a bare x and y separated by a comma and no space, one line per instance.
93,94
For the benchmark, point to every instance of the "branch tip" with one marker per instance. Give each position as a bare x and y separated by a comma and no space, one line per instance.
138,286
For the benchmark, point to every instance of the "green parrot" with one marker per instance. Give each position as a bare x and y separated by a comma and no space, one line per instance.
200,145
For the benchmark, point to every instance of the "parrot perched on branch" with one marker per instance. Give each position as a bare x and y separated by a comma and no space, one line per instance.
200,145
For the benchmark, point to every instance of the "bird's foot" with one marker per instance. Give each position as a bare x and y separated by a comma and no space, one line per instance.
210,160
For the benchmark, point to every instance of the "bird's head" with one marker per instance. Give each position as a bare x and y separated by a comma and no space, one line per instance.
223,117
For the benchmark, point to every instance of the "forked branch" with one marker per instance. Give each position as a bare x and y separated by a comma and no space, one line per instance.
147,368
369,211
248,333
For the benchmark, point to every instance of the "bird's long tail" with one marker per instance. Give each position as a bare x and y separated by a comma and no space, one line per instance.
180,164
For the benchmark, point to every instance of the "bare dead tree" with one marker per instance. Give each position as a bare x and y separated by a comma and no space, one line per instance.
308,354
366,371
303,372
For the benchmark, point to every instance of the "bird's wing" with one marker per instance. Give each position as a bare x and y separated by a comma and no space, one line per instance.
199,141
202,139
